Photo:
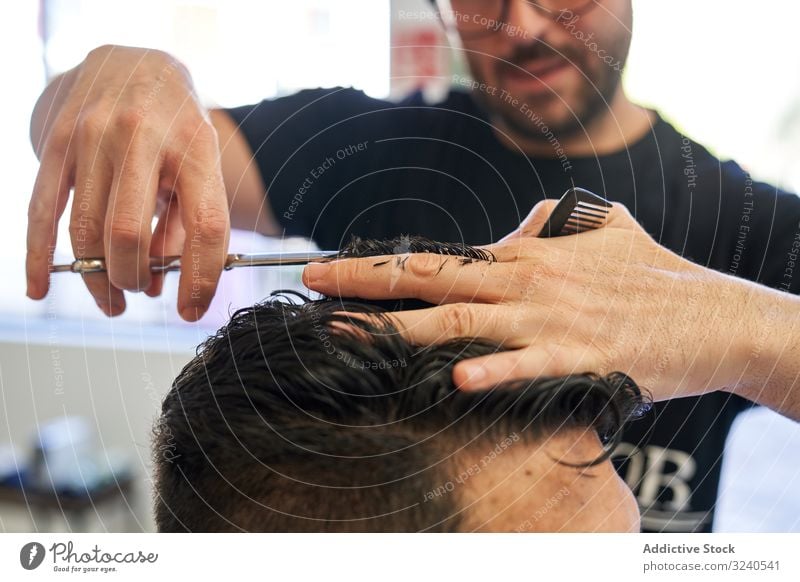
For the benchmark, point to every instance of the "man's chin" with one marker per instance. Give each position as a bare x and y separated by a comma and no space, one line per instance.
541,122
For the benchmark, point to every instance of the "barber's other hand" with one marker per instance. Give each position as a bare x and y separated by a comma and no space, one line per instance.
600,301
125,130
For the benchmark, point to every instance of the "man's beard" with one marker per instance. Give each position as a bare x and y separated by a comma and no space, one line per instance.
592,99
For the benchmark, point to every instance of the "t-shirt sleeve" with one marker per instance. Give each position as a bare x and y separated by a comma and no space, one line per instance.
294,138
745,228
768,237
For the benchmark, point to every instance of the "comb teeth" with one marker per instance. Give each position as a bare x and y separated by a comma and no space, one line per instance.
578,211
591,210
581,219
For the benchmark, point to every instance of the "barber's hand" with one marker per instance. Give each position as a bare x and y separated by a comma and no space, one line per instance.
600,301
126,131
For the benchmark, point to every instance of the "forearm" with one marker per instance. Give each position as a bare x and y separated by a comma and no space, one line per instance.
48,104
243,183
772,375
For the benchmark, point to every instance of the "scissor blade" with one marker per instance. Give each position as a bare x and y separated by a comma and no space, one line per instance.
278,259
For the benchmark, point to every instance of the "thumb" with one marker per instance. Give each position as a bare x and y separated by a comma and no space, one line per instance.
620,217
533,223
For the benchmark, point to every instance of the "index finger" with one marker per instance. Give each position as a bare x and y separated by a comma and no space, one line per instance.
427,276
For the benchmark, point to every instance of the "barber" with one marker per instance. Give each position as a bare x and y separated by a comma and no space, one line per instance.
125,131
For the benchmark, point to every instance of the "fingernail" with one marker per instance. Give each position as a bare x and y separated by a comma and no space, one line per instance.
115,309
110,309
31,290
316,271
193,313
475,375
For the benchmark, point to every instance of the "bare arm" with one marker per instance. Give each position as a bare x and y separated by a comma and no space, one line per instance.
247,198
772,343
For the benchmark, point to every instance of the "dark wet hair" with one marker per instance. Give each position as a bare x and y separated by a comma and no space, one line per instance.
359,247
289,420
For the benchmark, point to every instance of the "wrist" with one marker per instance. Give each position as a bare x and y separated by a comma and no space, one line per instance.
770,344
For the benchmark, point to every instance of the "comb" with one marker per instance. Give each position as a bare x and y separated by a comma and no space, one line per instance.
578,211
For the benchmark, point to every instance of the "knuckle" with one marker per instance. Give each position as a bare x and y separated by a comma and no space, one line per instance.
197,134
549,205
130,120
160,58
100,52
212,224
621,209
542,208
511,249
425,265
457,319
125,232
91,126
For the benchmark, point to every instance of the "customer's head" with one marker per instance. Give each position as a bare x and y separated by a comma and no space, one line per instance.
295,417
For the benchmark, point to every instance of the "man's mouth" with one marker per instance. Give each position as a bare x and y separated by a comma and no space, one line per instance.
536,75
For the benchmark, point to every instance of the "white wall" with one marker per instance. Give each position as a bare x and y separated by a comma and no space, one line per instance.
118,390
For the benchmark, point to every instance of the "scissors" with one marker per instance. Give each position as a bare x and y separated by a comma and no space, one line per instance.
233,261
578,210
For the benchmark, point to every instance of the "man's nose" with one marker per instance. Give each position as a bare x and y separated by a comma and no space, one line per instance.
525,22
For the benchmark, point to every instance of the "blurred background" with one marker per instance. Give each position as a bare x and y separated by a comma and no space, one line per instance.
72,380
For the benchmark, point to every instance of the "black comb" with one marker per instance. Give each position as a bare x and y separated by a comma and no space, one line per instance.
578,211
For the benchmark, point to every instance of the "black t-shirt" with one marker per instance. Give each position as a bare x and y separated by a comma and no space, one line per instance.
336,162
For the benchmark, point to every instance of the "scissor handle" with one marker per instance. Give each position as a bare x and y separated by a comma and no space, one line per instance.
98,265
